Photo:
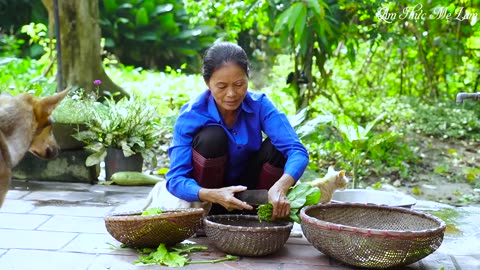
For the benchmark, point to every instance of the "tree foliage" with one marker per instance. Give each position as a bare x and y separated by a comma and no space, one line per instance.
424,55
153,33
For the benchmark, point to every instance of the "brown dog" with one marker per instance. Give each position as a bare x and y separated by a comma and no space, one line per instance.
25,125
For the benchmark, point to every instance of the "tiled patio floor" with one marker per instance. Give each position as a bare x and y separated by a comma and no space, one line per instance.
52,225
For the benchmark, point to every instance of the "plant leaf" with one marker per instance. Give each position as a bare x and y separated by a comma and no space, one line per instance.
96,158
142,17
300,23
313,196
372,123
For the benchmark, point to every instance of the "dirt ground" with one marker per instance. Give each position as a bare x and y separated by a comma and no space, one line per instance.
449,172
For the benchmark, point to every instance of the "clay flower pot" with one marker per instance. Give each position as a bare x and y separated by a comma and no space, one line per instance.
115,161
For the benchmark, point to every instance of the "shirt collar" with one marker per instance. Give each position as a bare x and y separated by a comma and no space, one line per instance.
213,111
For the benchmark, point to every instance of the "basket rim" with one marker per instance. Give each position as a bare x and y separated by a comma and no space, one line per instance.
168,213
372,232
288,224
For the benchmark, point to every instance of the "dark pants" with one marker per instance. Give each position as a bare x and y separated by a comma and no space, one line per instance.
210,148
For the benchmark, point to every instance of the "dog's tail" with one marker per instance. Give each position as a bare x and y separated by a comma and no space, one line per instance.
5,169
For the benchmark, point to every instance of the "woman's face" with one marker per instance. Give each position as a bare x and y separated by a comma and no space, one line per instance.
228,85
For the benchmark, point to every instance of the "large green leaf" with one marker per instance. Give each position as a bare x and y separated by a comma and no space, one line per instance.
311,125
142,17
348,128
313,196
316,7
110,5
372,123
147,35
298,118
297,9
96,158
289,17
186,34
380,139
300,23
282,20
163,9
149,6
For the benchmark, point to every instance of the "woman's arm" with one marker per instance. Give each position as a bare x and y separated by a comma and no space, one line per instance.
277,127
285,139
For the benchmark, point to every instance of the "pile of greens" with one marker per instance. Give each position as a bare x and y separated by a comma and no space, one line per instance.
175,256
152,211
299,196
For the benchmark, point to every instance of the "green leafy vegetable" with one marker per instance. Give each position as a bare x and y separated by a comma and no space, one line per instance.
299,196
224,259
264,212
152,211
186,248
175,256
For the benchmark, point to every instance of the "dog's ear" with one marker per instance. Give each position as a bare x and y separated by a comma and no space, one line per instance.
48,104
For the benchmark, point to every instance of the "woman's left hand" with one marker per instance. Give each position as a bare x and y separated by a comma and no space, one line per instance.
277,195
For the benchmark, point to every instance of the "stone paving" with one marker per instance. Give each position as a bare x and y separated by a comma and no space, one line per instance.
55,225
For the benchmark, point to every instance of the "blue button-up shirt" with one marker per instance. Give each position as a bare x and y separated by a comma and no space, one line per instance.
256,114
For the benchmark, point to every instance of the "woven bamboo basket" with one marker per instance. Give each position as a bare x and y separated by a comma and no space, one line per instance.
371,236
245,235
170,227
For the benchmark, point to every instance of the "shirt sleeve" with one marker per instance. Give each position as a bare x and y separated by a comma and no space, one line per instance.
178,181
277,127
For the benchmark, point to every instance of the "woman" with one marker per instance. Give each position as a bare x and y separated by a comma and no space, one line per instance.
217,147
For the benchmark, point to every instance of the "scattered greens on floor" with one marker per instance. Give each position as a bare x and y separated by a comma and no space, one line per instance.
175,256
299,196
112,246
152,211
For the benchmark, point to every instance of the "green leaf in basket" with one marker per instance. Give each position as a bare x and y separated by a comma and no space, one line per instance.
152,211
299,196
264,212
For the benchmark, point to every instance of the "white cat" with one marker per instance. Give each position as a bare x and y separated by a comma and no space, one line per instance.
328,184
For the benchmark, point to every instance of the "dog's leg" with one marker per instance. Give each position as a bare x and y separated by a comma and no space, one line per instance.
5,174
5,169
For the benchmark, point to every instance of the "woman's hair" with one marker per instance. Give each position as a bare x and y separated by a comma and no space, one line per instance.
221,54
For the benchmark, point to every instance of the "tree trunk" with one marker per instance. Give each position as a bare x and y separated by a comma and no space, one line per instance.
80,35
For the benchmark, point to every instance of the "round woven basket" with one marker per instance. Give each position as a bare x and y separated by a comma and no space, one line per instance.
371,236
170,227
245,235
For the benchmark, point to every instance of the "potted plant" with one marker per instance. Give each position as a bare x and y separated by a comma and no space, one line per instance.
71,116
122,133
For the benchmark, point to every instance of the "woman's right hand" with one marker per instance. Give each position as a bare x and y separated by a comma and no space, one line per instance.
225,197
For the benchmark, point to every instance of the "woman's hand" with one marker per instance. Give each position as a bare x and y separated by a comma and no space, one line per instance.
277,195
225,197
